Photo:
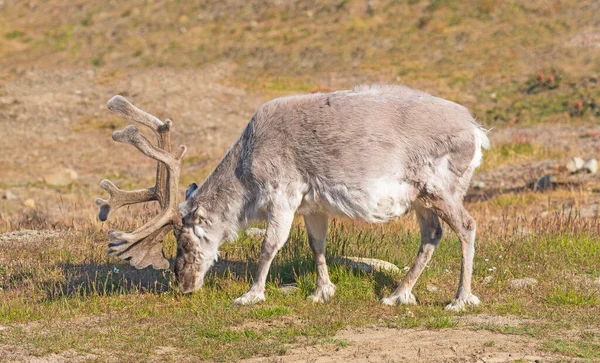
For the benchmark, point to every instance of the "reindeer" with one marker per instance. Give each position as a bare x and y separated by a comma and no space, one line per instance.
372,153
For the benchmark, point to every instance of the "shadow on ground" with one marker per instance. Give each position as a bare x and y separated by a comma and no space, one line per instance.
111,279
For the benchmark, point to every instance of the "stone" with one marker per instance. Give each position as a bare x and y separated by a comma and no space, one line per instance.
288,289
487,280
255,232
591,166
477,184
7,100
543,183
367,264
432,288
29,203
521,283
61,178
575,164
8,195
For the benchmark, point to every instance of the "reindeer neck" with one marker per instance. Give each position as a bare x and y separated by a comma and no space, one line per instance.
223,195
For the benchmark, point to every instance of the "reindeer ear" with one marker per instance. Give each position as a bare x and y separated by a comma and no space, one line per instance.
190,189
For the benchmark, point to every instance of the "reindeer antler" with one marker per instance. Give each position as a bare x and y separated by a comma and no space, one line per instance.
143,247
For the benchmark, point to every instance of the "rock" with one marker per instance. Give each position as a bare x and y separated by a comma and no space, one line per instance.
543,183
591,166
367,264
432,288
8,195
29,203
575,164
288,289
7,100
521,283
2,328
487,280
61,178
255,232
477,184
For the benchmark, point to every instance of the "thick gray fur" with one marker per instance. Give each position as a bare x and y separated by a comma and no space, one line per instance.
371,153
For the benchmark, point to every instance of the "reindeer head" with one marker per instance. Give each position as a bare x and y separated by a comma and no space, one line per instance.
197,243
143,247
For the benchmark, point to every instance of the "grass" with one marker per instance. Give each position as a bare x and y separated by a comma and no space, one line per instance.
517,152
65,280
510,63
492,57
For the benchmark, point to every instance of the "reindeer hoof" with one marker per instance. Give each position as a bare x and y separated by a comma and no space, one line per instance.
406,298
250,298
323,293
460,304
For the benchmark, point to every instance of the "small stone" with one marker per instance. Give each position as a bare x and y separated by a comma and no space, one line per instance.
477,184
8,195
2,328
575,164
255,232
521,283
591,166
61,177
367,264
543,183
432,288
7,100
487,280
288,289
29,203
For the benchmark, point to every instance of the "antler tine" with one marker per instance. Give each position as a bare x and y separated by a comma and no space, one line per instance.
119,198
132,135
120,105
147,252
143,246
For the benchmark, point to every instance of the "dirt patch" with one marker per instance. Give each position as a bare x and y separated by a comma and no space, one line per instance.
411,345
27,235
16,354
497,320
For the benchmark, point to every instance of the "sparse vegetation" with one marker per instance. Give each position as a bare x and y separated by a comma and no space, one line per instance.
208,65
64,281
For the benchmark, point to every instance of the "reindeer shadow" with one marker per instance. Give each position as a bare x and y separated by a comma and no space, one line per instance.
117,279
107,279
122,279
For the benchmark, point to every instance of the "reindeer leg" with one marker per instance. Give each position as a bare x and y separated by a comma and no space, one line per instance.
431,234
278,231
457,217
316,226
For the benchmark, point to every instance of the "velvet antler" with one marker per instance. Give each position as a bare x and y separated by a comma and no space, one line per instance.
143,247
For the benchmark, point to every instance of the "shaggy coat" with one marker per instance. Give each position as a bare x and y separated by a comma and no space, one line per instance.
371,153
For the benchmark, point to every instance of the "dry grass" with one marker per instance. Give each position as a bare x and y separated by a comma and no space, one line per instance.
60,280
512,63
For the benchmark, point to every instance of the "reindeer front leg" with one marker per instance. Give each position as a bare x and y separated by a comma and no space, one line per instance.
278,231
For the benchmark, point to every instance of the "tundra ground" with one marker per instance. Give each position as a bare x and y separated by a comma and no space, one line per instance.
530,72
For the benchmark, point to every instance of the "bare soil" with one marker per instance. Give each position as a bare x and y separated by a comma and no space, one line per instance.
58,119
374,344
